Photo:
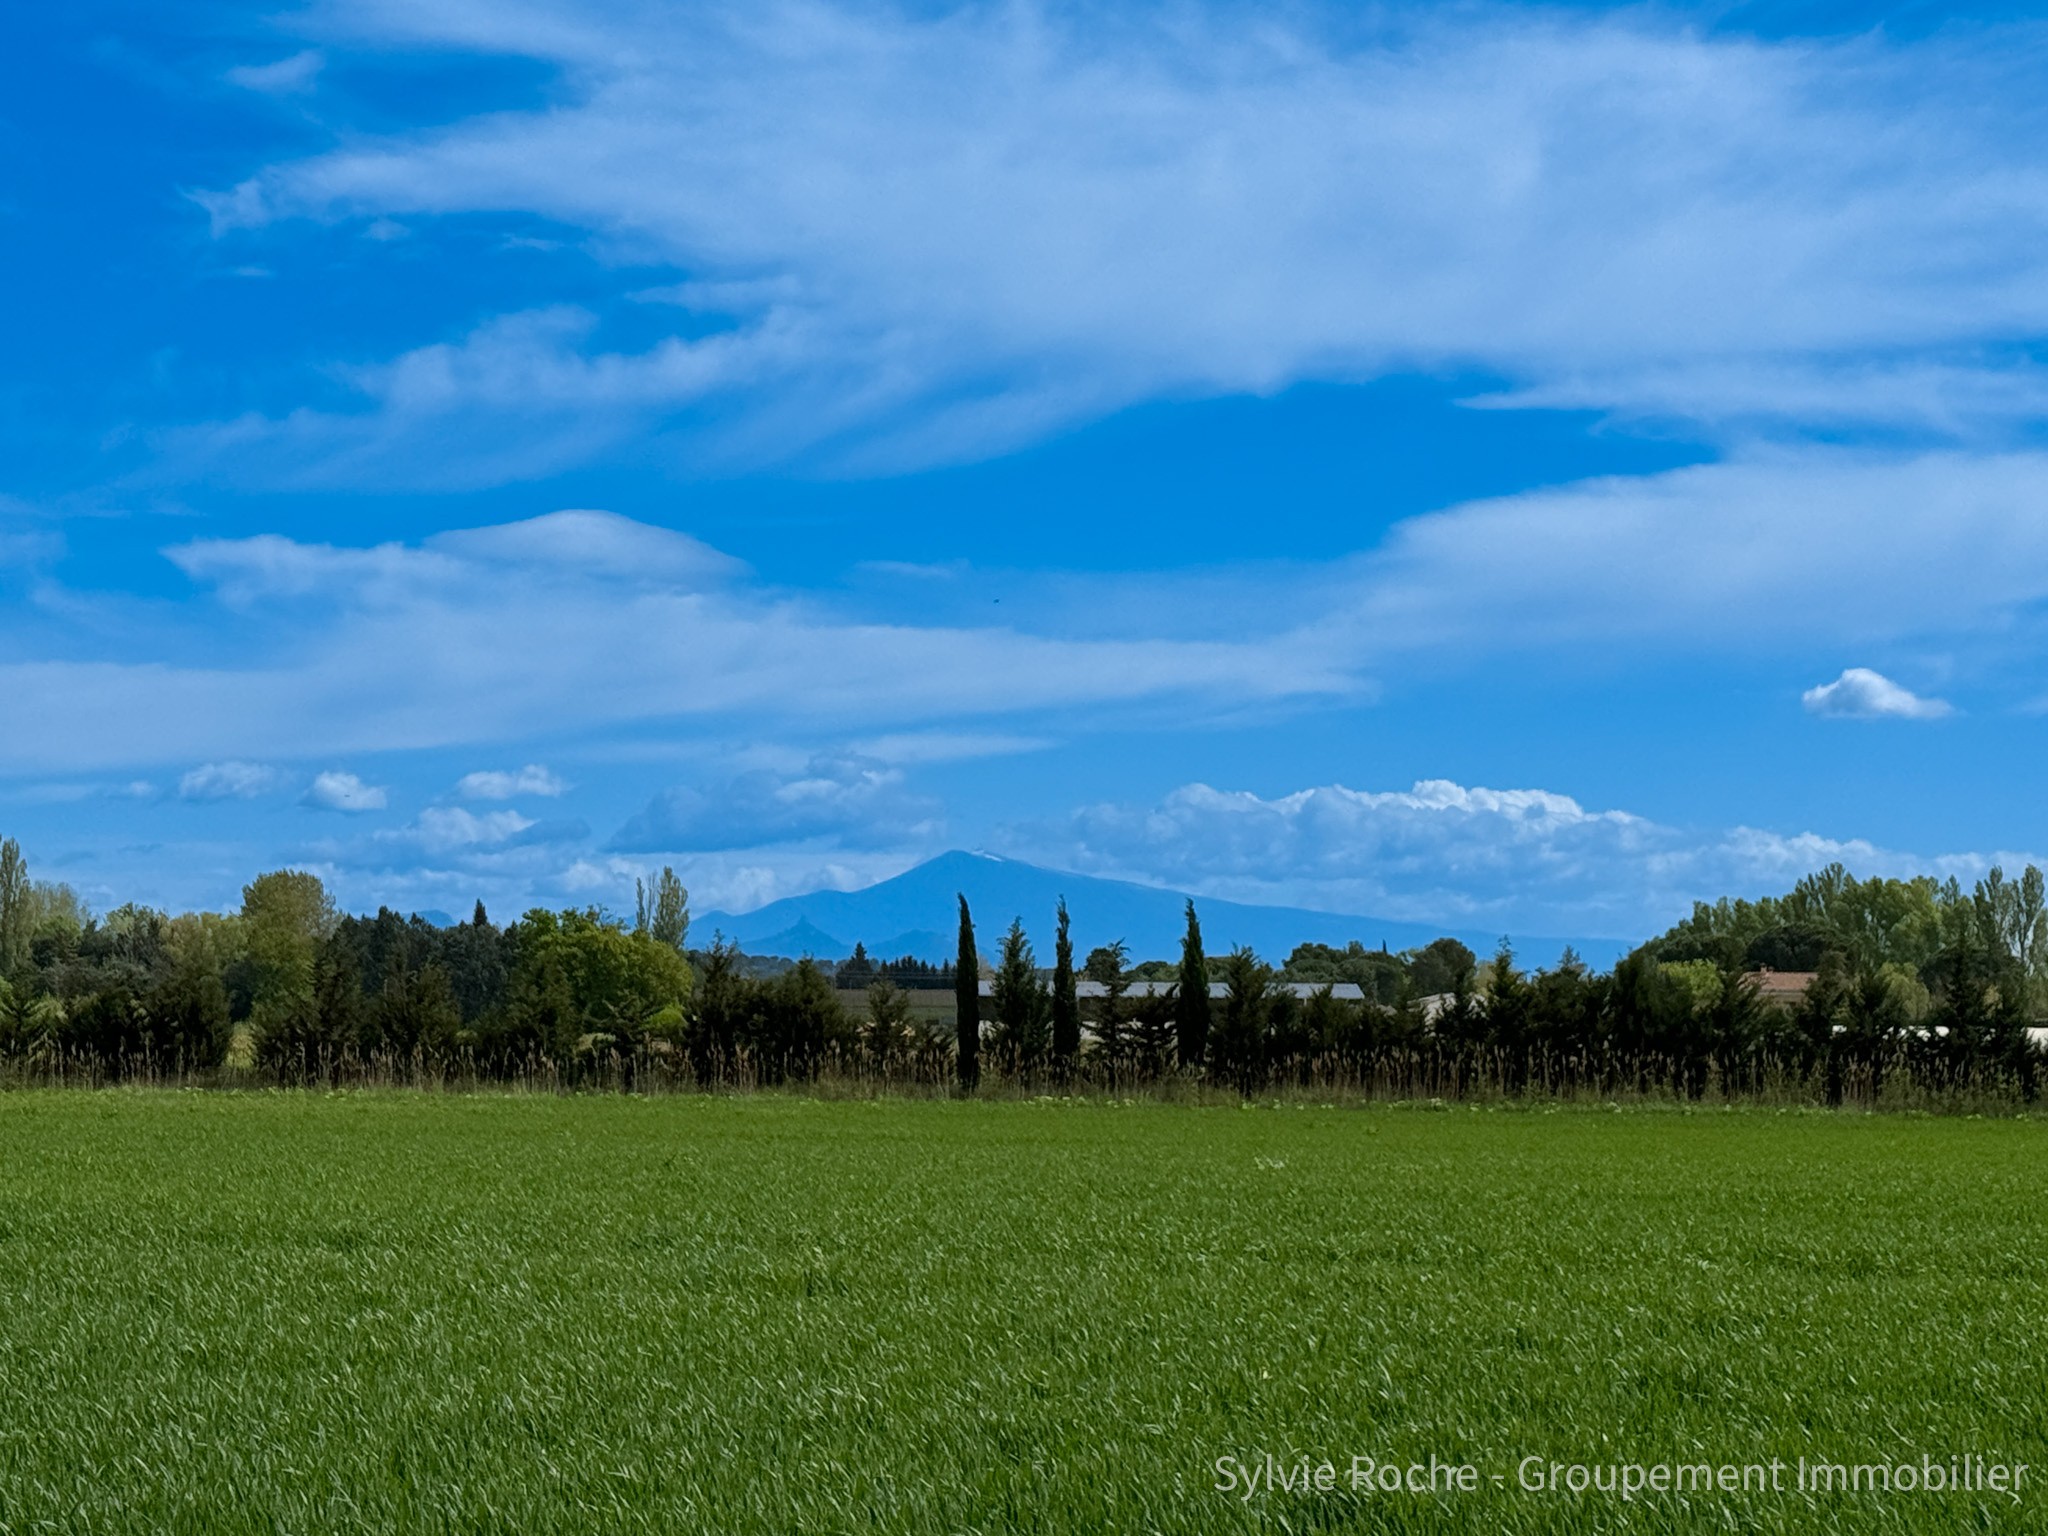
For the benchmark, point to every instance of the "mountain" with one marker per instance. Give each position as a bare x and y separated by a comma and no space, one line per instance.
915,913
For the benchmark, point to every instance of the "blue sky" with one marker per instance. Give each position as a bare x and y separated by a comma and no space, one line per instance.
1500,465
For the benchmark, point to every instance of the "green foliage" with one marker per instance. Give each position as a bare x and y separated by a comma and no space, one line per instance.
1238,1036
624,983
663,909
887,1035
856,970
1442,967
1115,1043
1066,1006
1378,974
286,915
967,1005
1191,1007
1872,922
1927,980
17,915
189,1024
1699,983
1023,1012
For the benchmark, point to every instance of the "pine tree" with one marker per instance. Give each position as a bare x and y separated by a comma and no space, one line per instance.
888,1035
1237,1049
967,1003
1020,1004
1113,1035
1191,1001
1066,1001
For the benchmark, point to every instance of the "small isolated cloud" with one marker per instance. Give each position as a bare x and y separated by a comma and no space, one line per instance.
495,784
1861,694
284,77
229,781
344,792
851,800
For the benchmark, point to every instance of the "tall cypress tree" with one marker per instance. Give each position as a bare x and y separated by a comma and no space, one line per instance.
1066,1002
17,922
967,1002
1191,1001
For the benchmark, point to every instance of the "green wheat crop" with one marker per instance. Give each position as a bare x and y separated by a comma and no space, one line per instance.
389,1312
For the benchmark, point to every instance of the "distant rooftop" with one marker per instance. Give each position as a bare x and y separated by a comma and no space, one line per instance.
1781,986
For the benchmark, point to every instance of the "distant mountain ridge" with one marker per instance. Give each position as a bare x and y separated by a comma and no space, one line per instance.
914,913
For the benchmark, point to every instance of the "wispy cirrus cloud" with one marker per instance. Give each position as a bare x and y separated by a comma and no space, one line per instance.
914,237
569,622
1772,545
288,76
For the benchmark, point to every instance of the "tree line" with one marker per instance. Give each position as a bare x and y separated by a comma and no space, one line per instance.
1913,982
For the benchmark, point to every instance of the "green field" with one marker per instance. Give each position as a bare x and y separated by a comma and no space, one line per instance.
277,1312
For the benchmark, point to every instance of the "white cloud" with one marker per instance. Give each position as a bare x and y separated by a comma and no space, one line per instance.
1861,694
285,77
935,235
334,791
229,781
1821,544
1528,860
494,635
849,800
595,544
496,784
947,746
444,829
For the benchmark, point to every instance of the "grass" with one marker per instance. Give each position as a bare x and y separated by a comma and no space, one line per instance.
384,1312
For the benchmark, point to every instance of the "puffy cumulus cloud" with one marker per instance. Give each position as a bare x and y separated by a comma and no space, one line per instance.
449,857
336,791
1861,694
923,235
442,828
1529,860
1437,850
441,841
230,781
846,799
497,784
547,627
